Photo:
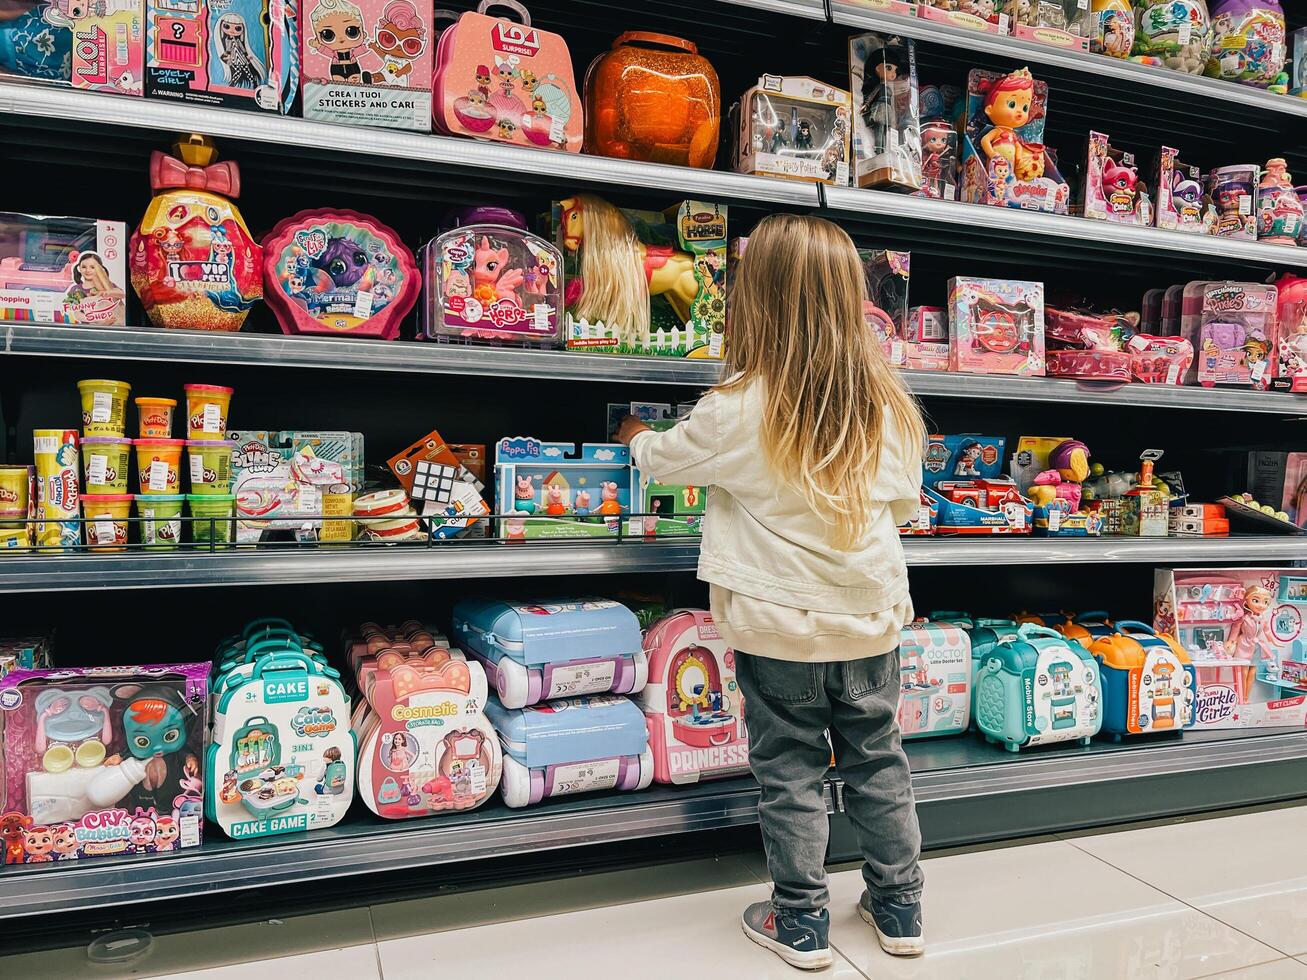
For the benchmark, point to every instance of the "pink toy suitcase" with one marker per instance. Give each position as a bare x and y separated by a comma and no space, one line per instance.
692,703
499,80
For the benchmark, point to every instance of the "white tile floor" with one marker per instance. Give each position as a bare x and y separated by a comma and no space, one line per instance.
1217,897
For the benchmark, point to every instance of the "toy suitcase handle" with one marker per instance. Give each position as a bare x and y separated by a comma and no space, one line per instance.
948,614
275,644
1029,630
266,623
1129,626
512,5
287,660
1093,614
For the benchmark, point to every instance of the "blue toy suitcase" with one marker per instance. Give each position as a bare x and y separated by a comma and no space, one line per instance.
1037,689
1149,683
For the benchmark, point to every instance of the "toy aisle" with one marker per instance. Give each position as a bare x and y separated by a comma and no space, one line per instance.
319,317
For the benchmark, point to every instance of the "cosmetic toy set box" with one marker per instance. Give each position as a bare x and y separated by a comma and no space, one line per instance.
540,651
63,270
962,476
693,704
572,745
102,761
241,54
934,680
1240,627
794,127
996,326
1038,689
1149,683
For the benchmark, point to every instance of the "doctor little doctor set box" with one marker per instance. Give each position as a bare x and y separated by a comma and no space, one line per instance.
102,761
934,680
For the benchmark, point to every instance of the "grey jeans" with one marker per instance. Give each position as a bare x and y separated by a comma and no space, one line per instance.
788,708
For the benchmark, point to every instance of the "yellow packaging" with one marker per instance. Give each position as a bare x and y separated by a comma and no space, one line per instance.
337,505
57,489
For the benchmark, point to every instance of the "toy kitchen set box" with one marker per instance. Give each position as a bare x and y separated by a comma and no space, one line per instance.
1244,630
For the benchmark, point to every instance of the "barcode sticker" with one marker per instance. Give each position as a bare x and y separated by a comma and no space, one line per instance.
101,406
540,317
212,417
97,469
157,481
1173,374
1245,204
1054,520
45,444
1185,33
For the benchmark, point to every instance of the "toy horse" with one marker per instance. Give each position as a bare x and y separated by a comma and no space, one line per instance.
619,273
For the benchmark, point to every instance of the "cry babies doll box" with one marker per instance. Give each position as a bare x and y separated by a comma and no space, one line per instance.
102,761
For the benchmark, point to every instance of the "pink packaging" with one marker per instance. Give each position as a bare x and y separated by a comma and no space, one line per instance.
108,44
1112,188
500,80
1092,365
1232,328
925,356
1159,360
368,62
927,324
996,326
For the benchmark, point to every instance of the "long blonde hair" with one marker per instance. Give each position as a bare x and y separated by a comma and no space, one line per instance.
797,325
612,268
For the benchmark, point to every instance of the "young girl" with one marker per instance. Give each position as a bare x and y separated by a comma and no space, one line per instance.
812,449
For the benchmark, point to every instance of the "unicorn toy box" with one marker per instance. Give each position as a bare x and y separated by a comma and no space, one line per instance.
693,704
535,652
934,680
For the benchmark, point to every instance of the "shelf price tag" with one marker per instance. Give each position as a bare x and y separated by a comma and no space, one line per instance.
97,468
157,481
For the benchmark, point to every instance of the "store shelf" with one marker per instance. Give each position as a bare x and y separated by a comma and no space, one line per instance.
999,550
853,14
388,146
811,9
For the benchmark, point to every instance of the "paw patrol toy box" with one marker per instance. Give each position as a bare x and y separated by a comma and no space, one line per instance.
934,680
572,745
1148,681
692,704
1037,689
102,761
539,651
961,475
1243,628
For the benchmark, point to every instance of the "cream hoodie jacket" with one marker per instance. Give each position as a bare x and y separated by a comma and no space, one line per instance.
761,538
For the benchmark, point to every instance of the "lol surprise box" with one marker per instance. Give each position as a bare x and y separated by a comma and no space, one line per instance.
996,326
97,46
63,270
693,705
102,761
934,680
1243,630
241,54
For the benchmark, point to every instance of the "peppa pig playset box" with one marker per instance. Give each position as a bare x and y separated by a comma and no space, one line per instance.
1243,630
555,490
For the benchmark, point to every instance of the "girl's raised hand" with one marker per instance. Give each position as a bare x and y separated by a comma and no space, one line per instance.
629,428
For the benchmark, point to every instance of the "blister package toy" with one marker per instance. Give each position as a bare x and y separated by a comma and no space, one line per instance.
448,494
507,81
1181,204
1038,689
962,477
1061,23
1291,320
102,762
96,46
1148,681
572,745
996,326
1050,470
887,150
934,680
539,651
242,54
339,272
1113,190
1232,327
1248,41
990,16
1279,209
552,490
368,62
1175,34
885,309
492,282
693,704
795,127
62,270
1233,193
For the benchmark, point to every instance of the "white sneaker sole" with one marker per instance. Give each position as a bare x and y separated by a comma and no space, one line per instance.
894,945
817,959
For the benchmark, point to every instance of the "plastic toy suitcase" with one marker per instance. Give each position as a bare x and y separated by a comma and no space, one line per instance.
692,704
985,635
1037,689
535,652
573,745
934,680
1149,683
1087,627
498,80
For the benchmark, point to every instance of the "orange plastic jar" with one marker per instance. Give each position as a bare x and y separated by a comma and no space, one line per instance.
653,97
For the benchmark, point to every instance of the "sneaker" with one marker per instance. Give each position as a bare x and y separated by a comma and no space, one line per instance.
800,938
897,924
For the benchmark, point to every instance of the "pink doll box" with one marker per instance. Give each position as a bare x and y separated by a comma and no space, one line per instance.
692,703
1232,327
1112,188
1239,626
62,270
108,44
996,326
368,62
505,81
242,54
1181,205
1060,23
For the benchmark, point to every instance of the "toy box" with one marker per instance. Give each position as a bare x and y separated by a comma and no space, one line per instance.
100,46
1148,681
640,282
242,54
961,476
996,326
448,494
927,324
1298,63
1181,204
1238,626
280,483
885,309
1232,327
1280,479
1113,191
795,127
693,705
665,508
934,680
552,490
1050,470
927,519
425,745
572,745
1291,317
887,125
368,63
505,81
535,652
1198,521
1037,689
990,16
62,270
1061,23
1004,161
1158,360
102,762
1233,193
281,756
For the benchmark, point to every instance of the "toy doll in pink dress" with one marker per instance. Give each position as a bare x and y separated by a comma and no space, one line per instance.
1251,637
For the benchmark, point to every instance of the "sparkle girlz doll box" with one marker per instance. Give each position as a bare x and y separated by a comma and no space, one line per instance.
693,704
1148,681
1239,626
572,745
102,761
97,46
996,326
535,652
550,490
934,680
794,127
62,270
367,63
242,54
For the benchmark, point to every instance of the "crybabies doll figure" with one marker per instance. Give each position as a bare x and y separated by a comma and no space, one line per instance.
1008,105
